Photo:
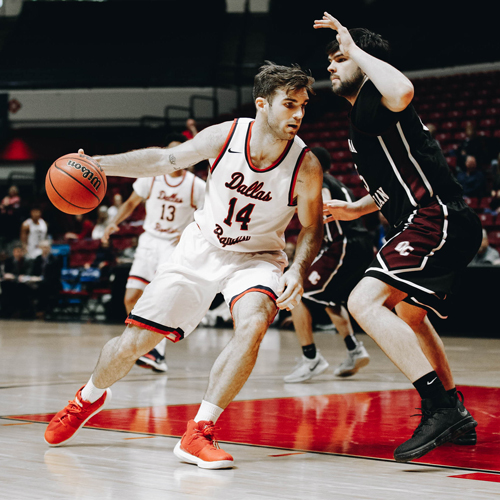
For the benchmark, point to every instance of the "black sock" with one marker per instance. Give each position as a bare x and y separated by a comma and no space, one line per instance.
350,342
453,393
309,351
430,387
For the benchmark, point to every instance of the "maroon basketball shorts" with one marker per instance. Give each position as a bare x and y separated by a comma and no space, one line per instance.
425,255
337,269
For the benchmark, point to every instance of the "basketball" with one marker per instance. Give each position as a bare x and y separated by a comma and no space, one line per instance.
75,184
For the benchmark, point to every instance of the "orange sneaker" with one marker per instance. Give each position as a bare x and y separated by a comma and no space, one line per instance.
198,446
65,425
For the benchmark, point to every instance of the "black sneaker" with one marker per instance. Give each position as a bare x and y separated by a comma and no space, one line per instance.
437,426
467,439
153,360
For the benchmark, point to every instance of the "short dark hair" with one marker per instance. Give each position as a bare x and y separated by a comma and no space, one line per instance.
272,77
324,157
367,40
174,137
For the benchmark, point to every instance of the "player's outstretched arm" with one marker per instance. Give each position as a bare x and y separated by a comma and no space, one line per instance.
124,211
348,210
150,162
309,210
396,88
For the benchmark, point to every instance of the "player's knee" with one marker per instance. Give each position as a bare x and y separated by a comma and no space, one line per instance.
131,344
355,304
253,326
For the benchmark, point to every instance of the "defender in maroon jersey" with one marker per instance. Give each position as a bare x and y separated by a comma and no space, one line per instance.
434,233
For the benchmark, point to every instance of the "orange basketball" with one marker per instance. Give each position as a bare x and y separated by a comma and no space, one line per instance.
75,184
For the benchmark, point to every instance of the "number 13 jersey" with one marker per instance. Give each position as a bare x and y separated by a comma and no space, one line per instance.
170,203
248,209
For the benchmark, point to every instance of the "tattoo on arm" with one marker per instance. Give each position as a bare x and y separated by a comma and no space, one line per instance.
172,159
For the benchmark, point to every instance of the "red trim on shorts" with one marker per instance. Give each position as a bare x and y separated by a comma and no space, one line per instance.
223,150
170,333
258,288
138,278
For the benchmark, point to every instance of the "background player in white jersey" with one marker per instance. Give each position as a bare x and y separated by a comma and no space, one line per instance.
33,232
261,174
171,201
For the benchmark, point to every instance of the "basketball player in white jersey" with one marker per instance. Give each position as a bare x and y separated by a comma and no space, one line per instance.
33,232
261,174
171,201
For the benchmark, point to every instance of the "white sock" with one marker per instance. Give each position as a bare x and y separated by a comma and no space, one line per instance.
209,412
92,393
161,347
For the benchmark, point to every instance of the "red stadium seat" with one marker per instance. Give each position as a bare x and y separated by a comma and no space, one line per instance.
485,203
341,155
494,238
449,125
488,220
488,122
472,202
474,112
86,244
455,113
492,111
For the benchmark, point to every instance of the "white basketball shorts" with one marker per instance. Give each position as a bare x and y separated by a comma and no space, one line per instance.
183,288
150,253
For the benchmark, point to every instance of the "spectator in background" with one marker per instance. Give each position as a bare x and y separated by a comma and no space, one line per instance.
17,295
472,179
80,227
191,129
495,192
478,146
33,232
126,256
117,203
104,260
101,223
47,268
11,202
486,255
9,215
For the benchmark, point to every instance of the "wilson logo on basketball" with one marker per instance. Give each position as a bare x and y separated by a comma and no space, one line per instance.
86,174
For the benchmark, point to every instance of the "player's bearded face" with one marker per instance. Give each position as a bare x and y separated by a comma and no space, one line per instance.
347,86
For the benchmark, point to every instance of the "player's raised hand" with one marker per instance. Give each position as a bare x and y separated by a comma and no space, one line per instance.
343,36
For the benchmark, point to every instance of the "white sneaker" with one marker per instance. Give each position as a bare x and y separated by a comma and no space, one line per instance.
355,360
307,368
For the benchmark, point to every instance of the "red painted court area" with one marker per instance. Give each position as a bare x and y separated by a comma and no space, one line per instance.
366,424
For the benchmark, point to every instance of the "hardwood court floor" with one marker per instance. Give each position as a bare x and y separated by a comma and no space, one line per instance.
326,438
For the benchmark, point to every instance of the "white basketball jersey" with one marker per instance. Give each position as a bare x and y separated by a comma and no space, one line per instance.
37,233
248,209
170,202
